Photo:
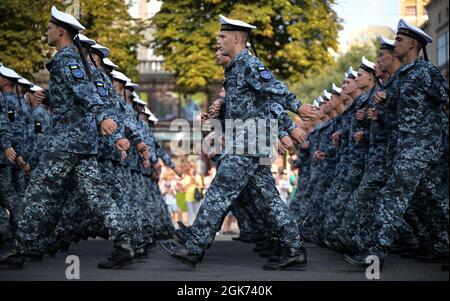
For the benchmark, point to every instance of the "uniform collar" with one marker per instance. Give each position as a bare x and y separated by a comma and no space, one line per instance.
238,57
66,50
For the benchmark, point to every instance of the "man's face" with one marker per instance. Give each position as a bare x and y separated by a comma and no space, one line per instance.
53,34
403,44
363,78
385,59
96,58
326,107
378,71
225,41
221,59
128,94
335,100
3,81
118,86
350,86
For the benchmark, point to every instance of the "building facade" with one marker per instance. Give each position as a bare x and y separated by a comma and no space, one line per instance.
437,28
414,11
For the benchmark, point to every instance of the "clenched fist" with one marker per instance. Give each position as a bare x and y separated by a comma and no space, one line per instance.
108,127
307,111
298,135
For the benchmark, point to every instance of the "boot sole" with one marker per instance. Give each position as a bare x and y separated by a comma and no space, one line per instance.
188,263
296,267
10,266
119,266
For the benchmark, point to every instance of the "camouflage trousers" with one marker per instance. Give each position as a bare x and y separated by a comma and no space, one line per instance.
151,219
340,202
9,199
42,202
310,205
19,180
163,213
327,199
358,221
417,185
112,175
4,222
248,217
233,175
297,206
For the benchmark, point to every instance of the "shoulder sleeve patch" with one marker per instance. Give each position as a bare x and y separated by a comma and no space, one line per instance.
101,89
76,71
264,73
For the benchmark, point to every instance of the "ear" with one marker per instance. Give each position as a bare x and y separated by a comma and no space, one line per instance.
60,31
412,44
236,38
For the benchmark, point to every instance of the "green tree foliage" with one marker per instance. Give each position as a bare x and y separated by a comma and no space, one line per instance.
24,22
109,23
292,39
311,87
22,28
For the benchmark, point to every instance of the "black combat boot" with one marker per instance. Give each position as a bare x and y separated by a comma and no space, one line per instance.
290,259
13,257
34,255
360,258
140,252
181,253
121,255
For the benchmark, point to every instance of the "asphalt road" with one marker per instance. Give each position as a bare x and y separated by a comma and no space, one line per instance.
227,260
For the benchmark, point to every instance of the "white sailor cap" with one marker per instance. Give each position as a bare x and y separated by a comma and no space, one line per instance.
9,73
321,100
134,95
345,75
139,101
120,76
414,32
316,103
25,82
367,65
335,90
109,63
102,50
326,95
228,24
131,85
66,21
35,88
85,40
386,43
153,118
352,73
147,111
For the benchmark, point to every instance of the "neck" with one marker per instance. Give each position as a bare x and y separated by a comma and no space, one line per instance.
355,94
368,88
333,114
62,43
394,67
409,57
6,89
236,51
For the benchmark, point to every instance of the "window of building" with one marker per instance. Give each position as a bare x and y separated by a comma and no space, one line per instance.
443,49
411,11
